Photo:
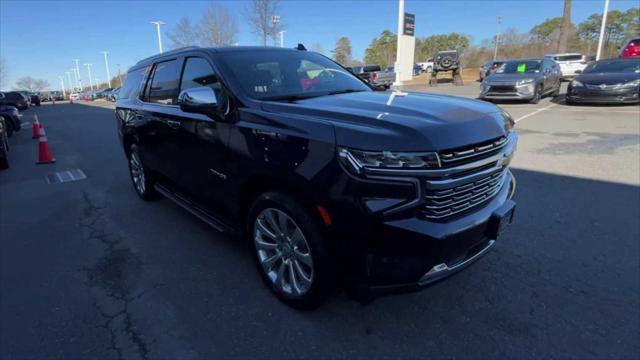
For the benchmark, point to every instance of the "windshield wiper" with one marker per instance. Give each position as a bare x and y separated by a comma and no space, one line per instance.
346,91
291,97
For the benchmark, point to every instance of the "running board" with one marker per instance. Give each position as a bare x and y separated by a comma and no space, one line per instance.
193,208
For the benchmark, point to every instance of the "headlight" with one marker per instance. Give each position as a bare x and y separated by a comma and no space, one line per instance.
524,82
356,160
630,84
576,83
509,123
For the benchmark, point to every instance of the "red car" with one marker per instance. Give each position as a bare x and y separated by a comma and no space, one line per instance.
632,49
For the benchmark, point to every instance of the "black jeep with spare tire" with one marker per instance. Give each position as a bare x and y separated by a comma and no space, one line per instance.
446,61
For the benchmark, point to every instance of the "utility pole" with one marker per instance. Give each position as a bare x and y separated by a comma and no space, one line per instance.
69,78
106,66
90,80
157,24
495,50
281,38
64,93
78,72
602,27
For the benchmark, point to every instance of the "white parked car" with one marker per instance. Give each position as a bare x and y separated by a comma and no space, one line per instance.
569,63
74,96
427,66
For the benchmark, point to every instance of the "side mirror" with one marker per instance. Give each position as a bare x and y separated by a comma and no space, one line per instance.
200,100
578,71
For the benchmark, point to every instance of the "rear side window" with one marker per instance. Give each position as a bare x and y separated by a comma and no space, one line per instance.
568,58
165,82
198,73
132,83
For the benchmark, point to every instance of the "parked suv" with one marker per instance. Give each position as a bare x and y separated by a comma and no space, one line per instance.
523,79
14,98
571,64
325,177
631,49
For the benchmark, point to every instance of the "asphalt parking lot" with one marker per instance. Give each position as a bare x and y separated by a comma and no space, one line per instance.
87,270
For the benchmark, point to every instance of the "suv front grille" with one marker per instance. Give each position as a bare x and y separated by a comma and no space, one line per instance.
471,153
502,89
449,201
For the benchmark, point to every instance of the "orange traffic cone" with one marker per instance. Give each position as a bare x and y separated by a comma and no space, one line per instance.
44,153
36,127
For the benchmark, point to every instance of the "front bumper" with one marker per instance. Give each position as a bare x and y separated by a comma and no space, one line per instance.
613,96
506,92
409,245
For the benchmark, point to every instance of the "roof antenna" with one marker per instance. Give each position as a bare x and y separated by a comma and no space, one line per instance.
301,47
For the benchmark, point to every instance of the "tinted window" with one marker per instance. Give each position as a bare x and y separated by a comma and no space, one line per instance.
371,68
276,74
568,58
132,83
164,86
614,66
515,67
197,73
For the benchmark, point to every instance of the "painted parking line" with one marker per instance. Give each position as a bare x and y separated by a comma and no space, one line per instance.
534,112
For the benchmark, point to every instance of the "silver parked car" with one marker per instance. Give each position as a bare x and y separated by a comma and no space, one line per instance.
524,79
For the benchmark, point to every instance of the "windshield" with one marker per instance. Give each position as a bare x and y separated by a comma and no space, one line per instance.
277,74
621,66
520,67
573,57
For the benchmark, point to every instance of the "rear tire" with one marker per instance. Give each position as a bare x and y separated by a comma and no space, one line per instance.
291,253
4,151
140,176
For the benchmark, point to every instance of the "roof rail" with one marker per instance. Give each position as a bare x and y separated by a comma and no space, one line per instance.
171,52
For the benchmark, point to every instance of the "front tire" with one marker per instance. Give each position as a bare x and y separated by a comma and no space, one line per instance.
537,95
140,176
291,254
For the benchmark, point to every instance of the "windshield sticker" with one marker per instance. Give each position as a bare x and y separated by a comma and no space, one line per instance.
522,68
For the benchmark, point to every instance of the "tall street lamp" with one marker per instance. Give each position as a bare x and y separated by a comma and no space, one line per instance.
106,66
157,24
89,71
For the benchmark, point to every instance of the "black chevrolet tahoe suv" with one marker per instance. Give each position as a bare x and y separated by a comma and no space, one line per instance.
327,179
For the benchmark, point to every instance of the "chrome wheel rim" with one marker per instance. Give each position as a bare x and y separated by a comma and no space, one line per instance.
283,252
137,173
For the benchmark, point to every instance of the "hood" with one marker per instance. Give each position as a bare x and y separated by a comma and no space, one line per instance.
607,78
510,78
415,122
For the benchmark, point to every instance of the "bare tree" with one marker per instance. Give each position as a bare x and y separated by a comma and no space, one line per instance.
183,34
4,70
260,15
31,84
217,27
566,27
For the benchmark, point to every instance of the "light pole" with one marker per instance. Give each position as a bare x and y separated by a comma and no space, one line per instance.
602,27
281,38
106,66
75,75
69,78
275,20
495,50
78,72
90,80
64,93
157,24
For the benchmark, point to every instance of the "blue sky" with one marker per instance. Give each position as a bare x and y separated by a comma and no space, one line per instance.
39,38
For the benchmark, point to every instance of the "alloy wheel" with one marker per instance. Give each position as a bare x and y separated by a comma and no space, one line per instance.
283,252
137,173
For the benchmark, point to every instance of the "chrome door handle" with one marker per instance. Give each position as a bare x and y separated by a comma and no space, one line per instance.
173,124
